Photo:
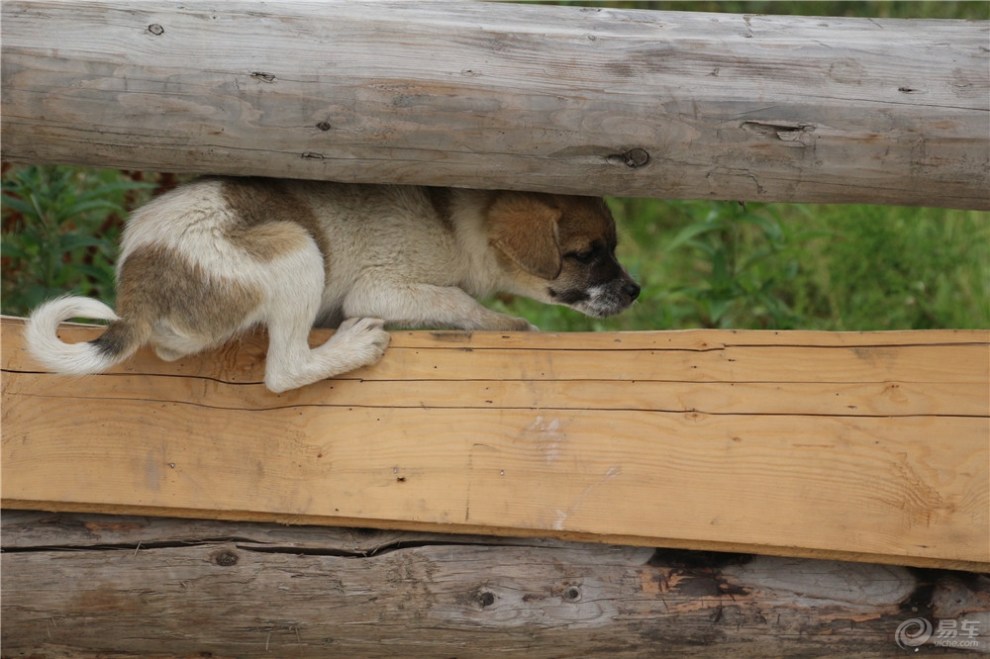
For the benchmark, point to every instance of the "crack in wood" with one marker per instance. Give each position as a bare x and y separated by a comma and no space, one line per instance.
583,408
254,546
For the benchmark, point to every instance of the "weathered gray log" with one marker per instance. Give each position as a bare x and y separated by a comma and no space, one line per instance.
82,585
593,101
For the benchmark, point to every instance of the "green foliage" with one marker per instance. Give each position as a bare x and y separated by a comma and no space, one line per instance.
732,247
895,268
701,264
60,231
787,266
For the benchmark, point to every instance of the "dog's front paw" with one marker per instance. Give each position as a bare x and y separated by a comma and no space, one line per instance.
365,338
514,324
525,326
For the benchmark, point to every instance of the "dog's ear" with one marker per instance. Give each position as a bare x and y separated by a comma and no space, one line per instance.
524,227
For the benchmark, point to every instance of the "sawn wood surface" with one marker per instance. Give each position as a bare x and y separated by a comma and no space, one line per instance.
869,446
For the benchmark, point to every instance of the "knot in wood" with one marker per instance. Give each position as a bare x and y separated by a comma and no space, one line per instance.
263,76
572,594
636,157
225,558
156,29
633,158
485,598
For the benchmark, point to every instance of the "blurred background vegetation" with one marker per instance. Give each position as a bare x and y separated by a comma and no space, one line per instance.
701,264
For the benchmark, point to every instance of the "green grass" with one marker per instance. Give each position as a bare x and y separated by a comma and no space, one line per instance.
790,266
701,264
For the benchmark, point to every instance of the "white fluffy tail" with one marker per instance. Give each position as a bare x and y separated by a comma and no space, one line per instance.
71,358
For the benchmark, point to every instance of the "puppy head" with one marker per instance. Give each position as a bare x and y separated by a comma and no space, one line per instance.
561,249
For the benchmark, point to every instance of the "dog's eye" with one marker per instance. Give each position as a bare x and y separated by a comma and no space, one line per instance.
584,256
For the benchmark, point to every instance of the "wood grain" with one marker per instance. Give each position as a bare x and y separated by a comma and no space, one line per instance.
562,99
883,457
88,586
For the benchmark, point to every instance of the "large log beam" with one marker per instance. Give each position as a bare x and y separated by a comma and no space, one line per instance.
594,101
99,586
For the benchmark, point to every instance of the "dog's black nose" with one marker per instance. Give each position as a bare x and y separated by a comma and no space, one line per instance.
632,290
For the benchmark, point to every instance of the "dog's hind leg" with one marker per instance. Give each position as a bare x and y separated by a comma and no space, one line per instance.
294,304
171,345
292,363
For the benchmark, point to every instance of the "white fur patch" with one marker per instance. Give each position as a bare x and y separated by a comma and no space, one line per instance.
41,335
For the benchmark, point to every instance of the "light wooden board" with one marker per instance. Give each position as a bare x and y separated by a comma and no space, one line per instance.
115,587
497,95
870,446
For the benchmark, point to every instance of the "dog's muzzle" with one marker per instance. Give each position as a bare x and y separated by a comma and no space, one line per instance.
609,299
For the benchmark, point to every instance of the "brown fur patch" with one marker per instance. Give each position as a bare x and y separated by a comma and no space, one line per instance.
121,338
156,284
269,220
524,228
266,242
584,220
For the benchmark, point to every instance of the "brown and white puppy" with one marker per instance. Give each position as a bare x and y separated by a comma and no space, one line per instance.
212,258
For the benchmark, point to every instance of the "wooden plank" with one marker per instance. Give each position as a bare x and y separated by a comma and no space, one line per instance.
86,586
941,356
710,398
893,468
562,99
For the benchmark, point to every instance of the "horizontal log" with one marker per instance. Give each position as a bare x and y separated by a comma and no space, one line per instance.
89,585
816,444
561,99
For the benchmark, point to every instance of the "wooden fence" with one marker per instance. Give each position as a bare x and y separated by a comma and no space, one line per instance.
853,446
100,586
810,492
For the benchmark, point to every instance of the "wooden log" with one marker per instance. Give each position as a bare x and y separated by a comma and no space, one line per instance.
562,99
84,585
866,446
